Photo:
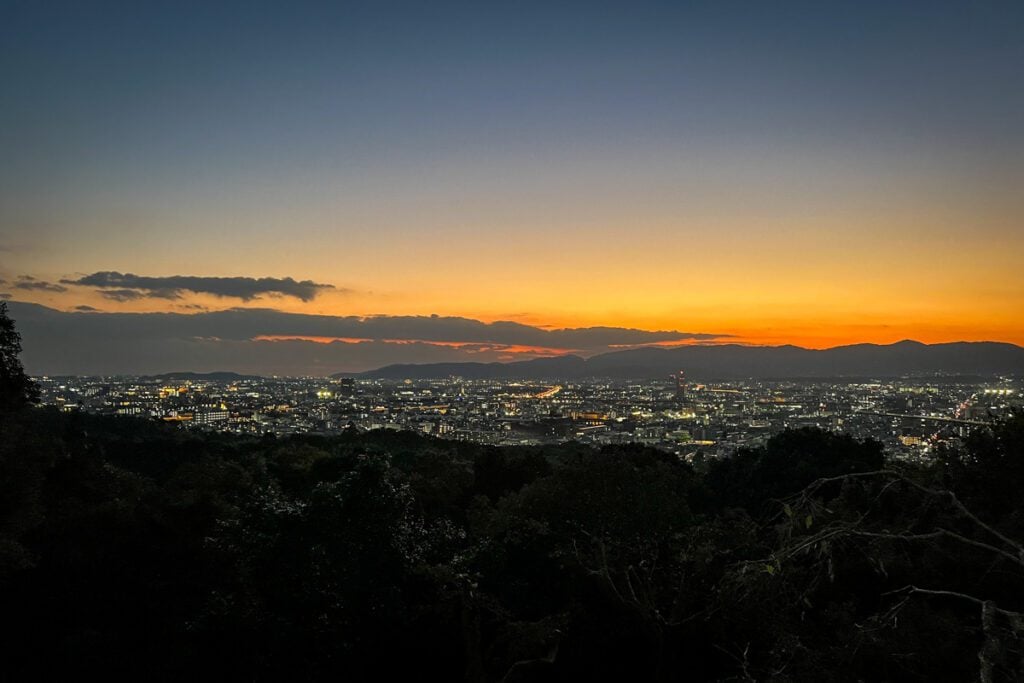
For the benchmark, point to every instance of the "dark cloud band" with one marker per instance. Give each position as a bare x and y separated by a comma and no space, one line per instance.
159,342
30,284
122,295
244,288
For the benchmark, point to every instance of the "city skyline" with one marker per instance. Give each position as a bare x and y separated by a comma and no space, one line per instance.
793,174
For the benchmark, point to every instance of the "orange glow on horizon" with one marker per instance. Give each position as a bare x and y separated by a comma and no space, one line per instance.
781,245
990,320
471,347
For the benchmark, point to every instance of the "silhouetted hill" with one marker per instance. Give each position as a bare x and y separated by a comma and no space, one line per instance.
210,376
540,368
733,361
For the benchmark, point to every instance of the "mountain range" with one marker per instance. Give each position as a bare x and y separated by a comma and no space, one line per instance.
734,361
201,376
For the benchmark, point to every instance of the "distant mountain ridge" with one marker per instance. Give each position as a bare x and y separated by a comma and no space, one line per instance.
734,361
198,376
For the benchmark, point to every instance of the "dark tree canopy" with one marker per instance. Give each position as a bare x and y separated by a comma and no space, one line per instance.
17,389
136,550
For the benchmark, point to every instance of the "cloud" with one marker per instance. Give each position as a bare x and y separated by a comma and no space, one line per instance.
29,283
6,296
244,288
266,341
121,294
85,309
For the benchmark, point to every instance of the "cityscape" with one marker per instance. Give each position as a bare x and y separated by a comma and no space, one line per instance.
512,342
911,417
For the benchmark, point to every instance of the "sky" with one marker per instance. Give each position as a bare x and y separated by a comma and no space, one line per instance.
810,173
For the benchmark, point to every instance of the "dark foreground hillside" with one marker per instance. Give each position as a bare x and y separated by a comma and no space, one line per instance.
131,550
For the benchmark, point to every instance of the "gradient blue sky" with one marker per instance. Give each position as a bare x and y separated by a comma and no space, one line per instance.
813,172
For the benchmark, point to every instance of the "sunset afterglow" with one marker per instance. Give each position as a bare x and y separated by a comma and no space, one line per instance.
731,174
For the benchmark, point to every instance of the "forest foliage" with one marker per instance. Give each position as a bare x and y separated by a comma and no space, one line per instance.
134,549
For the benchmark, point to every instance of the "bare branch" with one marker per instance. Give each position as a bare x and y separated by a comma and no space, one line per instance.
1017,556
915,590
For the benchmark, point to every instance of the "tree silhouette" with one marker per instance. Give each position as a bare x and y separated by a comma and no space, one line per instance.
17,389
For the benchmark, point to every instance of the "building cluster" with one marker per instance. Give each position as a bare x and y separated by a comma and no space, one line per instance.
911,417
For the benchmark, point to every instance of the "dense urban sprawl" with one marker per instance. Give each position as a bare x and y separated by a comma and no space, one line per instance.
909,416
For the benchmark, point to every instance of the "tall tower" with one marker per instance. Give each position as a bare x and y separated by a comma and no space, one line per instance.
681,386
